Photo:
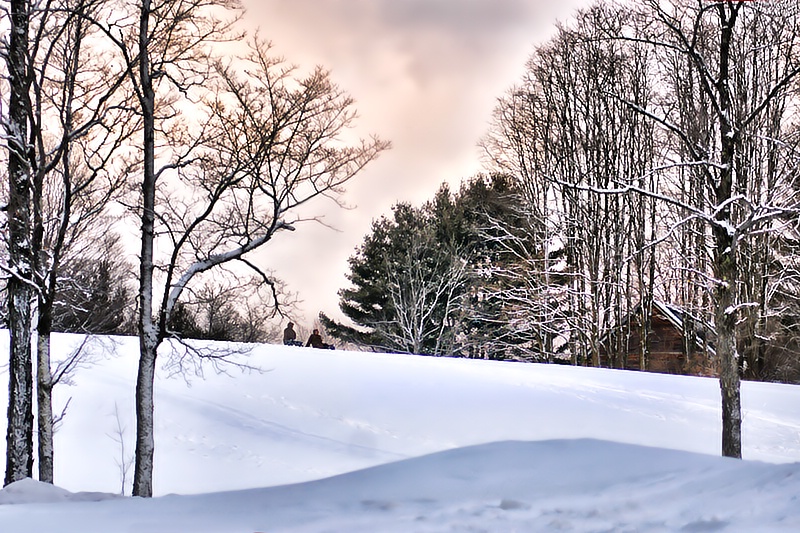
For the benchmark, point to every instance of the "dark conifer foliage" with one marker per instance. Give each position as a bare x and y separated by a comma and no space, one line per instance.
93,297
183,321
418,279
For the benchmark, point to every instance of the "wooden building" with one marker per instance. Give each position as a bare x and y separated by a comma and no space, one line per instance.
676,344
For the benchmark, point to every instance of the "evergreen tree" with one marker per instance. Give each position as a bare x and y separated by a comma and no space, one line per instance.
373,272
501,246
183,322
92,297
419,281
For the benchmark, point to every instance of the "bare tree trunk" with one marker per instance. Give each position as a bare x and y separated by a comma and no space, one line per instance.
19,435
145,443
148,334
220,167
44,403
725,253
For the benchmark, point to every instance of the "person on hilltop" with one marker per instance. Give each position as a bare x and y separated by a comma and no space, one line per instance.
290,337
315,341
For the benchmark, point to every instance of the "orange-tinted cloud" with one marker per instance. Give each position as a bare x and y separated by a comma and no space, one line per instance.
425,75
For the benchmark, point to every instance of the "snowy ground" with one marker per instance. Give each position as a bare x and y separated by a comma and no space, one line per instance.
347,442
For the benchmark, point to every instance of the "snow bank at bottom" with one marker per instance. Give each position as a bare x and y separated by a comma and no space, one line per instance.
575,485
32,491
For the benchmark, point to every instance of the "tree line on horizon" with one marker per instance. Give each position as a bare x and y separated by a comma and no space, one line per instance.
595,209
649,154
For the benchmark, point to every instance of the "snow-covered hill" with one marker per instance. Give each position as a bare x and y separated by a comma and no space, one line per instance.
514,447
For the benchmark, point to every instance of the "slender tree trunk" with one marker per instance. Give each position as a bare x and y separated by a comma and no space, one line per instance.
19,435
149,337
145,443
44,396
44,325
726,351
48,265
725,268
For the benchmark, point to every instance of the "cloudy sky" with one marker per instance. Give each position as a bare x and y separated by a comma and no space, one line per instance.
425,75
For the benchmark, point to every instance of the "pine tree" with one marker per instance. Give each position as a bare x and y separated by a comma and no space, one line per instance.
419,280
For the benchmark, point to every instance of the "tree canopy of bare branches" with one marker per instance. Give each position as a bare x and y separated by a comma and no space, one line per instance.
263,142
658,145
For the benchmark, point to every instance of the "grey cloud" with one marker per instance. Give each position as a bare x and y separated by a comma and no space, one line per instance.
456,16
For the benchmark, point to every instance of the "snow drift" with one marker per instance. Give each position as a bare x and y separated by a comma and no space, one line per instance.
318,440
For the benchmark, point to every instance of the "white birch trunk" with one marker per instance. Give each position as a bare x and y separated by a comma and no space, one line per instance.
44,406
145,443
149,337
19,433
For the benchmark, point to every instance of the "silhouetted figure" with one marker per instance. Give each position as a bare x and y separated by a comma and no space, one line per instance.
315,341
290,337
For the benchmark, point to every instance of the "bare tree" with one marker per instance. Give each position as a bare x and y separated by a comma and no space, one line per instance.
715,42
426,287
228,307
266,142
164,49
717,178
125,459
66,157
518,289
570,140
72,183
